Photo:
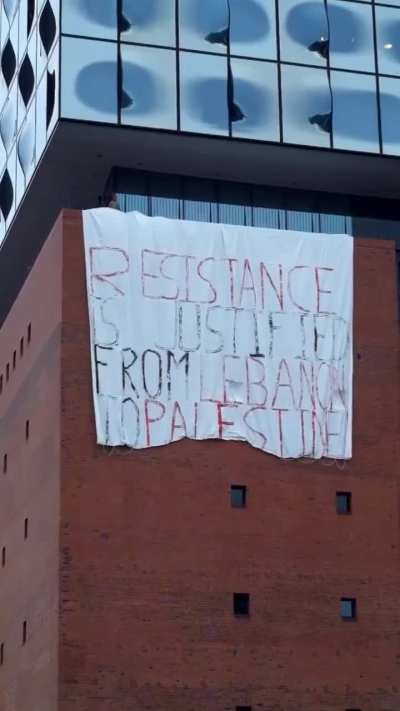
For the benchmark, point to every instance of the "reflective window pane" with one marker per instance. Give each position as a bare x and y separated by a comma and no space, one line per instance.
209,25
390,113
87,65
204,88
351,36
355,112
392,2
388,39
149,87
150,22
306,105
90,18
253,28
303,31
203,25
256,94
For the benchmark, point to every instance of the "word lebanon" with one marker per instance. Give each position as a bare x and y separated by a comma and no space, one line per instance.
214,331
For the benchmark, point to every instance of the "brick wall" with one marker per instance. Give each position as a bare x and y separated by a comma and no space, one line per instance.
30,341
152,550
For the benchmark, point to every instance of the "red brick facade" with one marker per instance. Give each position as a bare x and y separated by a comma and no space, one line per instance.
151,551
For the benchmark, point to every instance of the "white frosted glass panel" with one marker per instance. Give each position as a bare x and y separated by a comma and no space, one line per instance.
26,150
256,93
89,80
12,173
8,118
355,112
91,18
306,104
150,22
41,117
149,87
204,105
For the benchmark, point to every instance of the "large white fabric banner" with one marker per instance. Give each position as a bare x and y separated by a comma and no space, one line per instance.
215,331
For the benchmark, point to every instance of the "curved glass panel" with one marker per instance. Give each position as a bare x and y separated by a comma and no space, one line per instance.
306,106
355,112
89,80
90,18
148,87
256,93
149,22
303,31
390,113
388,39
204,89
203,25
351,36
253,29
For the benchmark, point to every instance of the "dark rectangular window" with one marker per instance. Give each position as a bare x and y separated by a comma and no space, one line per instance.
27,429
343,502
244,708
29,332
26,528
3,556
1,384
241,604
7,372
1,653
348,608
14,360
21,348
238,496
5,462
24,632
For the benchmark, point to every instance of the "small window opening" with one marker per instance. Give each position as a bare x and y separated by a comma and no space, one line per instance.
5,463
343,502
238,496
1,384
21,348
26,528
14,360
241,604
244,708
29,332
7,372
3,557
24,632
2,654
348,608
27,426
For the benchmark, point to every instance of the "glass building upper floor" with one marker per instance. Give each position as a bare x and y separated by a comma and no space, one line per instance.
298,94
322,73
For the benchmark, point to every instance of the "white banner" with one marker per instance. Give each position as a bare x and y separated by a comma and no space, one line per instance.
215,331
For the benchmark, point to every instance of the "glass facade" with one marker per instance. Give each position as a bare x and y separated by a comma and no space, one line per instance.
202,200
322,73
29,32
